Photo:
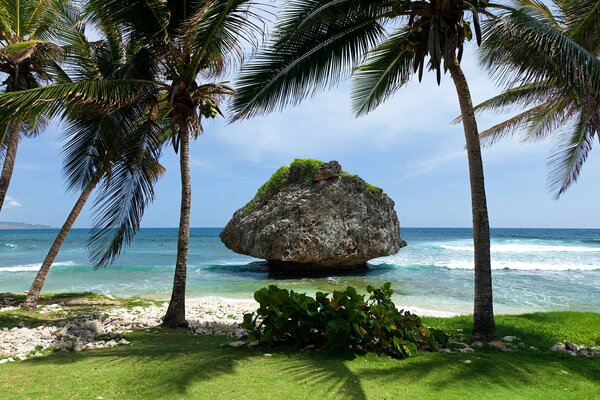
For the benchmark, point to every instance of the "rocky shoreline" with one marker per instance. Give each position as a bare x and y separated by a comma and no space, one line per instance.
97,329
102,329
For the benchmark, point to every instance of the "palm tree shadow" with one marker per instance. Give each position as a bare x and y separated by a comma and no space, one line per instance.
327,373
198,358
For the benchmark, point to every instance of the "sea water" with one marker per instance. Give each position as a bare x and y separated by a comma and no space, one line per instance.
533,269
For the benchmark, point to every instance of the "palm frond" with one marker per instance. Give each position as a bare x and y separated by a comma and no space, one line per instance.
144,20
128,190
220,29
518,97
53,100
509,127
520,49
583,23
569,156
297,66
387,68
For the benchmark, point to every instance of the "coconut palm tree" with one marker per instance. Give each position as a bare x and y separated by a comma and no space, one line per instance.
118,151
318,42
190,46
548,59
26,51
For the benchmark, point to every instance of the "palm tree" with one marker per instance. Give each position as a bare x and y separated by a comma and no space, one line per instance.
102,148
548,57
318,42
26,33
189,46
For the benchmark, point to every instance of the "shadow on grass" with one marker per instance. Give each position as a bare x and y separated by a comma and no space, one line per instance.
329,373
165,362
487,369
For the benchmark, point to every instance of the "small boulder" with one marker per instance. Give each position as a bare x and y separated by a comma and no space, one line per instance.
558,348
330,170
571,346
458,345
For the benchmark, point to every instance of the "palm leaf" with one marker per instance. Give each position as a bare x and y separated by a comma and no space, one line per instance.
520,49
297,66
387,68
123,199
219,29
569,157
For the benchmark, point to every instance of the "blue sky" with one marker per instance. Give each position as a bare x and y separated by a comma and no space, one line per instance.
407,147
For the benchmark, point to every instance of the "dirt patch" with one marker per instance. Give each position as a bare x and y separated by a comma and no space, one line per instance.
82,301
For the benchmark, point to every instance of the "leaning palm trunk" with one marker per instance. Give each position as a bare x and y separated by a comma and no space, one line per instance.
33,296
175,316
483,315
12,144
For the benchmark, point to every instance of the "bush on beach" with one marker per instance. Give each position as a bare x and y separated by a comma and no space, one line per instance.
344,320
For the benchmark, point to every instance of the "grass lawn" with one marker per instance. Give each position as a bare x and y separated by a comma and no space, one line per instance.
176,364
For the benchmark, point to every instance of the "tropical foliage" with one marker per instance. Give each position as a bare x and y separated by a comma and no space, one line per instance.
118,151
28,30
548,57
344,320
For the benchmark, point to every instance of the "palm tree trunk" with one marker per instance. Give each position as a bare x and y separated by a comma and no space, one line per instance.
483,315
175,316
33,295
12,144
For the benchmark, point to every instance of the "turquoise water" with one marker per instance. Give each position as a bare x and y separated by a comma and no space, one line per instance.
534,269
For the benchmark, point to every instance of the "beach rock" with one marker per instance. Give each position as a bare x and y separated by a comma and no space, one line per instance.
558,348
510,339
458,345
571,347
317,218
95,326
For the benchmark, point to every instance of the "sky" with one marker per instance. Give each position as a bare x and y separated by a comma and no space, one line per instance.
408,147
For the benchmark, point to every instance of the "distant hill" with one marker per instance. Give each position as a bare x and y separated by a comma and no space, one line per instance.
21,225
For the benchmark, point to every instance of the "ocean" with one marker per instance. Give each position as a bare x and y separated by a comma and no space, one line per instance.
534,269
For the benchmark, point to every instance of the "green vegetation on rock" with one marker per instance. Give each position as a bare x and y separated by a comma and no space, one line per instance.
301,170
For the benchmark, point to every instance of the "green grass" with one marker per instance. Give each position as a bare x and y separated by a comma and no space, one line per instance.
165,364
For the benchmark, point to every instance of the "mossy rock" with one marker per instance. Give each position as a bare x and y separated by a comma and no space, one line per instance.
300,171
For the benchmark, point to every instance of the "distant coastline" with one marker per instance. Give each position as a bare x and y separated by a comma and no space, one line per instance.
21,225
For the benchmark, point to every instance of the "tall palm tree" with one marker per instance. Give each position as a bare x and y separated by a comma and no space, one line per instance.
190,46
548,58
104,148
195,43
318,42
26,51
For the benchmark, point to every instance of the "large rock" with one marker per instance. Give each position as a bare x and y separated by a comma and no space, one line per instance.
314,215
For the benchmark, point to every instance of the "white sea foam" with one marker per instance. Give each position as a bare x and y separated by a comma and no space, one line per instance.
12,246
401,260
34,267
522,265
525,248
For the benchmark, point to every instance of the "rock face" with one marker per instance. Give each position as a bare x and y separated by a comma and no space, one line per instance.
314,215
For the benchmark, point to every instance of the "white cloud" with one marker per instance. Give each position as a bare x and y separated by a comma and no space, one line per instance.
11,202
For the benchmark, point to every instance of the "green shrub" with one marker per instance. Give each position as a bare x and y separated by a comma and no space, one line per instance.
302,170
278,181
343,320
